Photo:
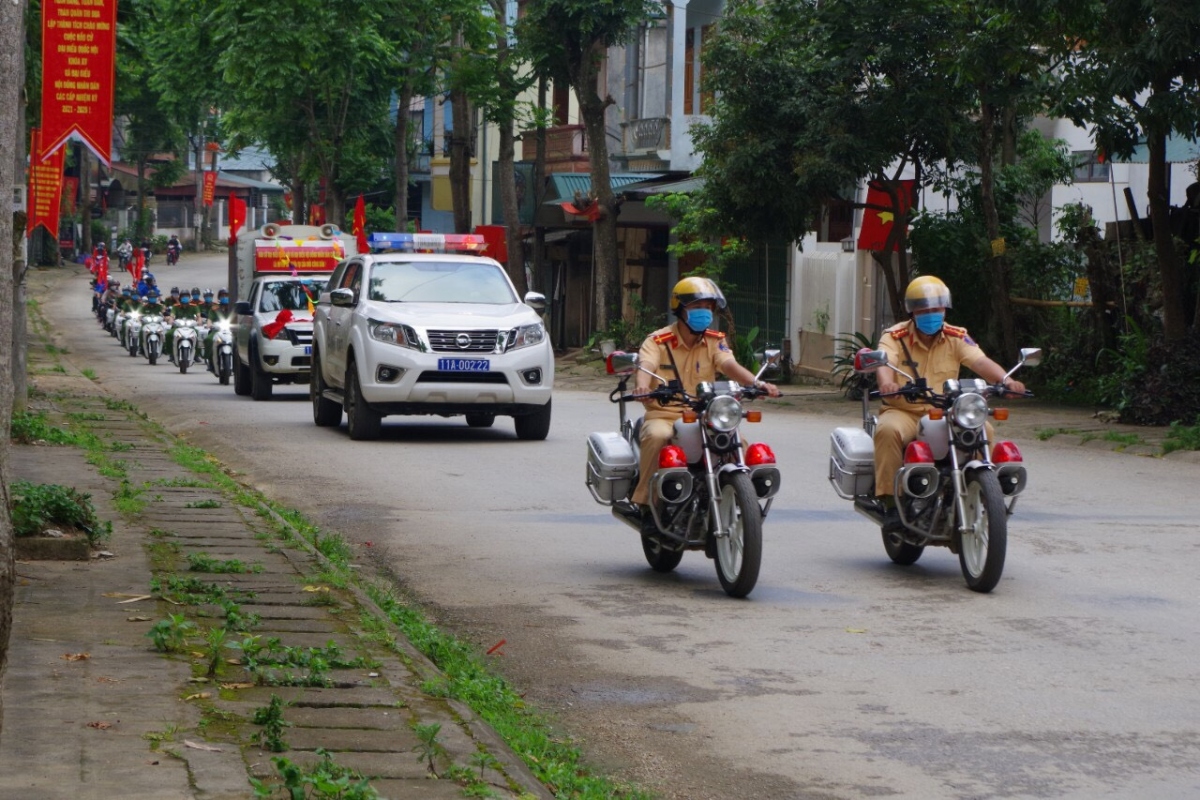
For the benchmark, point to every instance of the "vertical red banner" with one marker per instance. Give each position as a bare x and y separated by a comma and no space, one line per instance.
210,188
79,39
70,192
45,186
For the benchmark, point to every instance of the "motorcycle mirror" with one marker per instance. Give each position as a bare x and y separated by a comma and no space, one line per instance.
867,360
619,362
770,362
1031,356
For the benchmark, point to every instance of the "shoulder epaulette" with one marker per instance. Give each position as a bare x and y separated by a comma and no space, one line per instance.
666,338
898,333
714,334
955,331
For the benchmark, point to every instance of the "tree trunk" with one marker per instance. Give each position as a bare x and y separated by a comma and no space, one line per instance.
400,138
12,58
607,299
198,206
507,178
1174,285
539,179
997,263
460,159
20,265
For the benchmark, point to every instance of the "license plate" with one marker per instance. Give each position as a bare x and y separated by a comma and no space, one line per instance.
464,364
308,349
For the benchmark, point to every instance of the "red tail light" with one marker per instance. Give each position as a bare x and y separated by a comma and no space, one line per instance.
671,456
1004,452
918,453
759,453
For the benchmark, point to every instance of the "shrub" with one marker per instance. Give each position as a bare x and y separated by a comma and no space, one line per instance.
38,506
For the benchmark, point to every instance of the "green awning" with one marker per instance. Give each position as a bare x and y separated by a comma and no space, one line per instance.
565,184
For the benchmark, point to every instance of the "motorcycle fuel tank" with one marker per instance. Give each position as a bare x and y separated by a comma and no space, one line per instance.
936,434
687,436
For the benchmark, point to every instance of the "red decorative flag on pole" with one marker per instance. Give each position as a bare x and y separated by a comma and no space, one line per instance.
210,188
360,225
79,42
237,216
45,187
137,264
879,214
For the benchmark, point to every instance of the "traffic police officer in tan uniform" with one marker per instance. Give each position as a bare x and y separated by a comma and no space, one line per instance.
924,347
697,353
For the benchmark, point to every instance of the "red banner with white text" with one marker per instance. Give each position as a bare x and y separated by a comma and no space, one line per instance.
210,188
45,186
79,39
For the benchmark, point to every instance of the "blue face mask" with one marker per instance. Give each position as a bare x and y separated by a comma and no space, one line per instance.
224,301
698,319
930,323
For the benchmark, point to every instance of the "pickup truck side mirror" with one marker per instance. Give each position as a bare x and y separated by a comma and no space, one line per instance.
536,301
342,297
242,307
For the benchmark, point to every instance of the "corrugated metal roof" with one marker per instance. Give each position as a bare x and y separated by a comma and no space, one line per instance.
644,189
566,184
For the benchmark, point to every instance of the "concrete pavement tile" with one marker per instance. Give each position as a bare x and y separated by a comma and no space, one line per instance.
384,719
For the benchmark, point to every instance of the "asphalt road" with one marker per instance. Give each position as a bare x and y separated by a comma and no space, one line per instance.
842,676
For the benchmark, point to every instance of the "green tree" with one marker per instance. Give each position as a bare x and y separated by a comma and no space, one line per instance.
1139,79
567,40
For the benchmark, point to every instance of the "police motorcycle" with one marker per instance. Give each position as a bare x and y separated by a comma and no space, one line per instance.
710,491
153,330
183,343
133,333
220,351
955,488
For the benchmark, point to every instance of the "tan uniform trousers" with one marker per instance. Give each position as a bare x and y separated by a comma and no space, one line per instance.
656,432
897,427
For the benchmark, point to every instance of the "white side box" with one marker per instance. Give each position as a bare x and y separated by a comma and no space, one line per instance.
851,462
611,467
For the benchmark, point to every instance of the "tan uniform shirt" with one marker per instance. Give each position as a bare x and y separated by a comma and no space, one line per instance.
951,349
696,364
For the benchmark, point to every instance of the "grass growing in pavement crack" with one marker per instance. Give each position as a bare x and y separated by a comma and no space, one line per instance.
556,762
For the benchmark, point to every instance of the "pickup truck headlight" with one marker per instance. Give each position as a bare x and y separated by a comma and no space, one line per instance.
394,333
526,335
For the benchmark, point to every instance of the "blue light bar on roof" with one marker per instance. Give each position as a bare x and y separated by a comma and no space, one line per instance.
427,242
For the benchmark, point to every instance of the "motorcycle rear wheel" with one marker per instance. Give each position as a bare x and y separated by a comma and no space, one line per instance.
658,557
900,551
981,550
739,555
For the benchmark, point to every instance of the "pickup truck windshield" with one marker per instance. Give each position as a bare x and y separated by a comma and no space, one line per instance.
290,295
440,282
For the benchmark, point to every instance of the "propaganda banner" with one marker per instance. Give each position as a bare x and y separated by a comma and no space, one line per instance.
70,191
309,255
79,39
45,186
210,188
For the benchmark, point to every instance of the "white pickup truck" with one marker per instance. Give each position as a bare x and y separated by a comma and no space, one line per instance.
281,271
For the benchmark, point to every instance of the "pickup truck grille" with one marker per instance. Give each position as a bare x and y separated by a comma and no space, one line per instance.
299,336
447,341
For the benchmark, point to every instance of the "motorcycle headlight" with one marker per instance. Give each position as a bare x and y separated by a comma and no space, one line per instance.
970,410
526,335
724,413
224,326
394,333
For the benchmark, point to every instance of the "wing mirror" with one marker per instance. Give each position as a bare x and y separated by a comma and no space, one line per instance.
1031,356
619,362
770,362
342,297
867,360
536,301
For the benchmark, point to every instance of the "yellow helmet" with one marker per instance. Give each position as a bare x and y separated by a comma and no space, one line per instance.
691,289
926,292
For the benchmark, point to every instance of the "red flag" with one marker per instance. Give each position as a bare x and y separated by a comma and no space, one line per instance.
78,74
102,273
237,216
876,223
137,264
45,186
360,225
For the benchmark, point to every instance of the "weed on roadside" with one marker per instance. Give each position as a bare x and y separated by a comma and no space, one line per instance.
29,427
170,635
38,506
270,717
203,504
1182,437
203,562
323,779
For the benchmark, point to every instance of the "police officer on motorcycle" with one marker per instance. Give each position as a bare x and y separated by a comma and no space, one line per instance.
687,351
926,347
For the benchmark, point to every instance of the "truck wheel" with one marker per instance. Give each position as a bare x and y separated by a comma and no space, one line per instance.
535,426
260,381
480,420
241,377
326,413
361,420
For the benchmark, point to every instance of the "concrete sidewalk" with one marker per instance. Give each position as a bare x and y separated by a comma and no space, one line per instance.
93,711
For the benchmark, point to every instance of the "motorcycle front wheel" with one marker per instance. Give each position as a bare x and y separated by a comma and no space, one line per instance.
739,554
984,542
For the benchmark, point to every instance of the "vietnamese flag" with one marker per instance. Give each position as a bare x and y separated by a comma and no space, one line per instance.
79,41
360,225
878,217
237,216
137,264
